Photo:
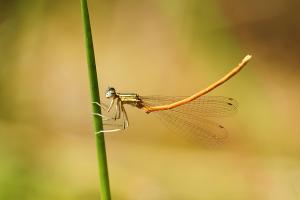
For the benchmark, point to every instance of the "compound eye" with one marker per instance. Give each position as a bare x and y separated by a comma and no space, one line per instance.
110,92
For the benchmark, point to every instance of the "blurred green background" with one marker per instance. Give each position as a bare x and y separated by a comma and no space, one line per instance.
47,148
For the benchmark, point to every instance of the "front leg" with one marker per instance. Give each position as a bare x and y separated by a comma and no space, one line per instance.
106,108
111,104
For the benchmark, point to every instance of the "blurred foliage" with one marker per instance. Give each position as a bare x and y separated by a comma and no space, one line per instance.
175,47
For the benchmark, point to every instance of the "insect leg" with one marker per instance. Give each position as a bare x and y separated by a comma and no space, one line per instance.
126,121
100,105
109,131
111,104
117,115
118,109
103,116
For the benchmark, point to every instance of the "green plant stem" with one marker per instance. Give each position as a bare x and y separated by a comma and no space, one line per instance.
98,125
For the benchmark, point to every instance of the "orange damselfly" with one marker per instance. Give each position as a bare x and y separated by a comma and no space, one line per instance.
191,114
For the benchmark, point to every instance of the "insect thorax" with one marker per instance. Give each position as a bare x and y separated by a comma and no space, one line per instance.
131,99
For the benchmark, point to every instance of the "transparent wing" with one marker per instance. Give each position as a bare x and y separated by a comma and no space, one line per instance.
195,119
206,106
195,128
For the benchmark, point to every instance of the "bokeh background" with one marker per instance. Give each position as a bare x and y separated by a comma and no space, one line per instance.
177,47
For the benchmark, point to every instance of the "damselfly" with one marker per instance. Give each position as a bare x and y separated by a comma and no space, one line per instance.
193,114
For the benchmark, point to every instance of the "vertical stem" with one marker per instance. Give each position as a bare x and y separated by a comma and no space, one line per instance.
98,125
